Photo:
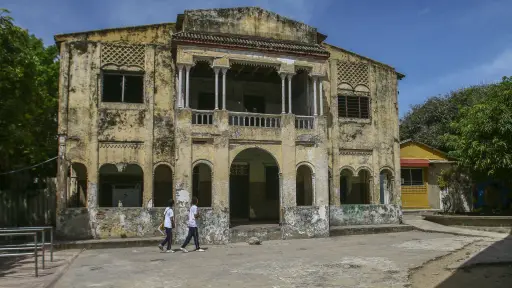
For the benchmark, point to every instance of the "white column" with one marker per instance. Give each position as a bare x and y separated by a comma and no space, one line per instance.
290,93
321,98
314,96
308,100
283,92
187,85
224,71
177,91
180,81
216,70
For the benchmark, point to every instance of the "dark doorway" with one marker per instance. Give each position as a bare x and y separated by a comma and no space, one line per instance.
254,104
239,185
272,182
206,101
254,188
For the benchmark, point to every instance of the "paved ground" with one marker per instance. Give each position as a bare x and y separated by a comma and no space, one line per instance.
381,260
20,272
427,226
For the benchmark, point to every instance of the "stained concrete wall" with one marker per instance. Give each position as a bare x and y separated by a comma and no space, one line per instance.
365,215
371,144
76,223
245,21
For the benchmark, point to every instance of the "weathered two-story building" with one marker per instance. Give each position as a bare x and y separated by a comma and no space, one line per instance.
253,113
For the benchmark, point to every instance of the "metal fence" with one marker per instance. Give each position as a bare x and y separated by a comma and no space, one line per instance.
16,250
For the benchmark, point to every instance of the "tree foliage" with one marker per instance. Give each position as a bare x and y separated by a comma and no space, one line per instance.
28,97
481,135
428,122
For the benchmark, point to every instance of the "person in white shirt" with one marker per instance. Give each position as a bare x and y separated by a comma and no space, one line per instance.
168,224
193,214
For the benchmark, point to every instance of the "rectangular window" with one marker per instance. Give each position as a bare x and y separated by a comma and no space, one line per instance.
354,107
123,87
412,176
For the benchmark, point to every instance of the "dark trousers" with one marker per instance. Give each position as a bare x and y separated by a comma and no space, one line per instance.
168,237
192,232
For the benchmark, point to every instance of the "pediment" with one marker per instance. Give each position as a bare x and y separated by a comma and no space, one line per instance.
248,21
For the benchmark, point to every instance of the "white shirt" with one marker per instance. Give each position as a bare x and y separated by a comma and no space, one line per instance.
192,216
168,214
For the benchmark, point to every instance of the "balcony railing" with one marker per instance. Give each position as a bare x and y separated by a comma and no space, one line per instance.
254,120
304,122
202,117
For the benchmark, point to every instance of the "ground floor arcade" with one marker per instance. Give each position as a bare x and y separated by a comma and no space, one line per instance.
250,185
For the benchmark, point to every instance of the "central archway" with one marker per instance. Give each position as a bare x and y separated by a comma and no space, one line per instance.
254,188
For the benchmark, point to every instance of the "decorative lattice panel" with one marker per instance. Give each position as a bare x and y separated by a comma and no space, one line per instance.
239,169
123,54
353,73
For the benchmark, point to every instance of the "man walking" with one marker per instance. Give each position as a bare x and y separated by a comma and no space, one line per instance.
168,224
192,227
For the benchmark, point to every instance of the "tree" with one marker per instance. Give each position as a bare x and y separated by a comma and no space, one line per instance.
428,122
28,98
481,135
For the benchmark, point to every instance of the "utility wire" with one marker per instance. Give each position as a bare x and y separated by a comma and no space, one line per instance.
39,164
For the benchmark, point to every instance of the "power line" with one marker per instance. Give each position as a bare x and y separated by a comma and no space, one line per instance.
26,168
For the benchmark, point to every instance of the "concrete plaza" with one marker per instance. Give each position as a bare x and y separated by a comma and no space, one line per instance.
382,260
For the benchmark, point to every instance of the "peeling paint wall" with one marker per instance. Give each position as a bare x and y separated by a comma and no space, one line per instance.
109,223
306,222
345,215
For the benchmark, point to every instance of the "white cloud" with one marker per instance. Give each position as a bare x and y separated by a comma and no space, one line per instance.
483,73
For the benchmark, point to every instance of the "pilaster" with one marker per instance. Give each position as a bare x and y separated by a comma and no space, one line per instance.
288,169
183,171
149,91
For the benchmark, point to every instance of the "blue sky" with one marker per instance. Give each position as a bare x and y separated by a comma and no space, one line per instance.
440,45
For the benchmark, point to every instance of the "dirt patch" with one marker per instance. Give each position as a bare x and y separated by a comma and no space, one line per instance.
447,271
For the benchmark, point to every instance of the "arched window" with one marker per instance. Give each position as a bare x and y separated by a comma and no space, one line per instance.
162,185
355,189
202,184
78,186
386,186
304,186
120,185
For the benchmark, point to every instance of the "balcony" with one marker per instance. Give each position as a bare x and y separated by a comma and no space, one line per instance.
202,117
304,122
254,120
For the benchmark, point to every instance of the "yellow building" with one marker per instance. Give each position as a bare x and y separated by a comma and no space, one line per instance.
420,167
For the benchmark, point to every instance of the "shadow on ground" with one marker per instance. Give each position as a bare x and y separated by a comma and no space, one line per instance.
490,268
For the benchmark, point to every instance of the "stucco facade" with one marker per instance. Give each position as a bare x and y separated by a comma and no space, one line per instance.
233,103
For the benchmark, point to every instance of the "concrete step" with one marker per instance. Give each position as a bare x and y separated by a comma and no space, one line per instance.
369,229
420,211
264,232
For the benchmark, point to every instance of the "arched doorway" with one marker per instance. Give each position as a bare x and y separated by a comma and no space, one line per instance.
162,185
120,185
254,188
386,186
304,186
